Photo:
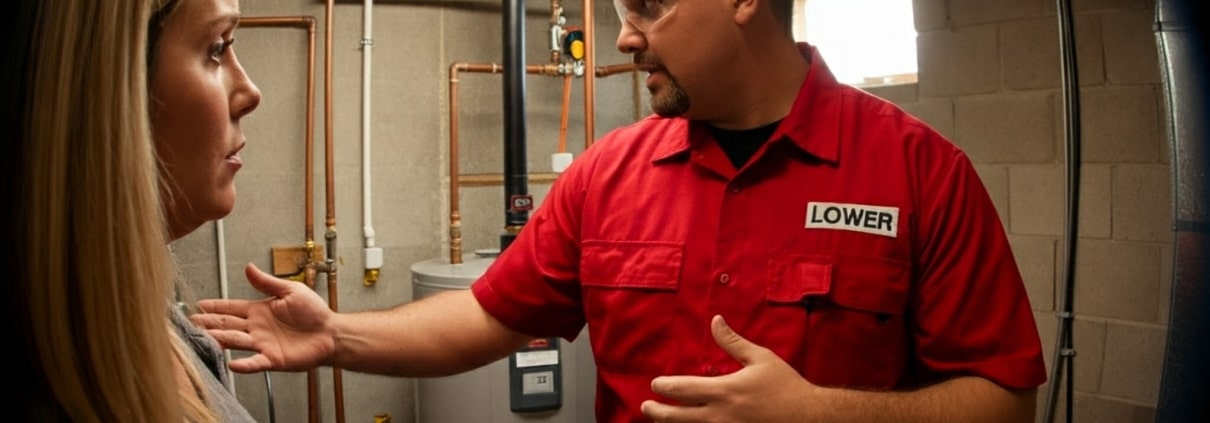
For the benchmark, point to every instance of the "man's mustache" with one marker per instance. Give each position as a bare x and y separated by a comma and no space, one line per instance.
647,62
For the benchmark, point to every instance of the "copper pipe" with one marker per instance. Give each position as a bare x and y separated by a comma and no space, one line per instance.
337,380
590,53
563,113
497,179
547,69
455,215
308,23
608,70
328,144
455,68
313,374
330,179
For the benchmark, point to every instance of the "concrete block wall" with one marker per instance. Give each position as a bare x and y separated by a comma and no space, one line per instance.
990,78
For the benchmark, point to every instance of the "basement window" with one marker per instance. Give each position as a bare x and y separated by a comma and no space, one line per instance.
866,43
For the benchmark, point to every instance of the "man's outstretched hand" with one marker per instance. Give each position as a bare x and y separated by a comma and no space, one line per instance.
289,331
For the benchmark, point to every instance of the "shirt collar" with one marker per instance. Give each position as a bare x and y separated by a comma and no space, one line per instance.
812,125
676,141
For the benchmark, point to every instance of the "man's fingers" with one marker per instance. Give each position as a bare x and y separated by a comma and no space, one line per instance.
665,413
237,308
686,389
219,321
739,348
655,411
253,364
232,339
265,283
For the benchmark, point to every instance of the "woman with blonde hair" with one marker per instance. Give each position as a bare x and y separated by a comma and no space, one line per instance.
125,116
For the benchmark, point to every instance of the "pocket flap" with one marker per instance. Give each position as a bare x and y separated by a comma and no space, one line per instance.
864,283
631,264
872,284
796,276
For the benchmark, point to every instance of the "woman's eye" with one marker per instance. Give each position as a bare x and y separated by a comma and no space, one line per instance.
218,49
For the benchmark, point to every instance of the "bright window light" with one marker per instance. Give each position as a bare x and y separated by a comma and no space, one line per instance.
865,42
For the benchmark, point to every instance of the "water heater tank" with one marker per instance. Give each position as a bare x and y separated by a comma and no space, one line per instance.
483,395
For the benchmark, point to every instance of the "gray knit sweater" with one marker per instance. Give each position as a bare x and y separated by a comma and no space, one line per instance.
205,353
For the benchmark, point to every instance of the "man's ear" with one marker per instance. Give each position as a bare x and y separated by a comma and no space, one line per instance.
745,10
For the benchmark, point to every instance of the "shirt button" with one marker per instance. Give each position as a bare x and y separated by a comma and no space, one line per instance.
735,189
711,371
724,279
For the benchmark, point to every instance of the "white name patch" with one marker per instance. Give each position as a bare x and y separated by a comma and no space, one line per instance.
877,220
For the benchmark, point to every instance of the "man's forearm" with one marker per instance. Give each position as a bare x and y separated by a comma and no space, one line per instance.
445,334
963,399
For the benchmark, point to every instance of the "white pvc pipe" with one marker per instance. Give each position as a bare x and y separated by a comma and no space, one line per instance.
223,286
222,259
367,48
372,254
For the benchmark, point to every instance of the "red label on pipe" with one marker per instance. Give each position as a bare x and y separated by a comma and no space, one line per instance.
519,203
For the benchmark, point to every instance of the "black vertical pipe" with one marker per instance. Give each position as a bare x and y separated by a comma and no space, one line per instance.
517,201
1182,41
1064,344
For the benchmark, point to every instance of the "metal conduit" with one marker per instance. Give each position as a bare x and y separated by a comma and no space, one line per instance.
1064,345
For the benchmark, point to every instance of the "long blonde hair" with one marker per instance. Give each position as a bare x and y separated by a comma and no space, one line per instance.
94,269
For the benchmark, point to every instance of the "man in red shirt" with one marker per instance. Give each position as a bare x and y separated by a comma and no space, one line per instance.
852,249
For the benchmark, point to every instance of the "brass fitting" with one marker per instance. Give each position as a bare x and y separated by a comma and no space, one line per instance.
371,277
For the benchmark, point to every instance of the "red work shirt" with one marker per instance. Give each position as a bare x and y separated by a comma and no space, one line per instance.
858,244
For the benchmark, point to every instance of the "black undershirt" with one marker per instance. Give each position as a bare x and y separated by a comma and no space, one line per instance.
742,144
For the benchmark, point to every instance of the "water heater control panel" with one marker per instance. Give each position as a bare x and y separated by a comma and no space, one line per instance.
535,375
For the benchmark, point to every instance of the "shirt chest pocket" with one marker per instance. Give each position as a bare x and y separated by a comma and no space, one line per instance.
629,290
856,328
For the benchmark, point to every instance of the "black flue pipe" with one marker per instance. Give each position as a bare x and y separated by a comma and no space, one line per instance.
1182,40
517,201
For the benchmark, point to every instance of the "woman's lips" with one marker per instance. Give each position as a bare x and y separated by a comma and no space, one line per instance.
234,158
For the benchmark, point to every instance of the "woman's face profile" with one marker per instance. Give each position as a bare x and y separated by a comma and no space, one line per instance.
199,93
